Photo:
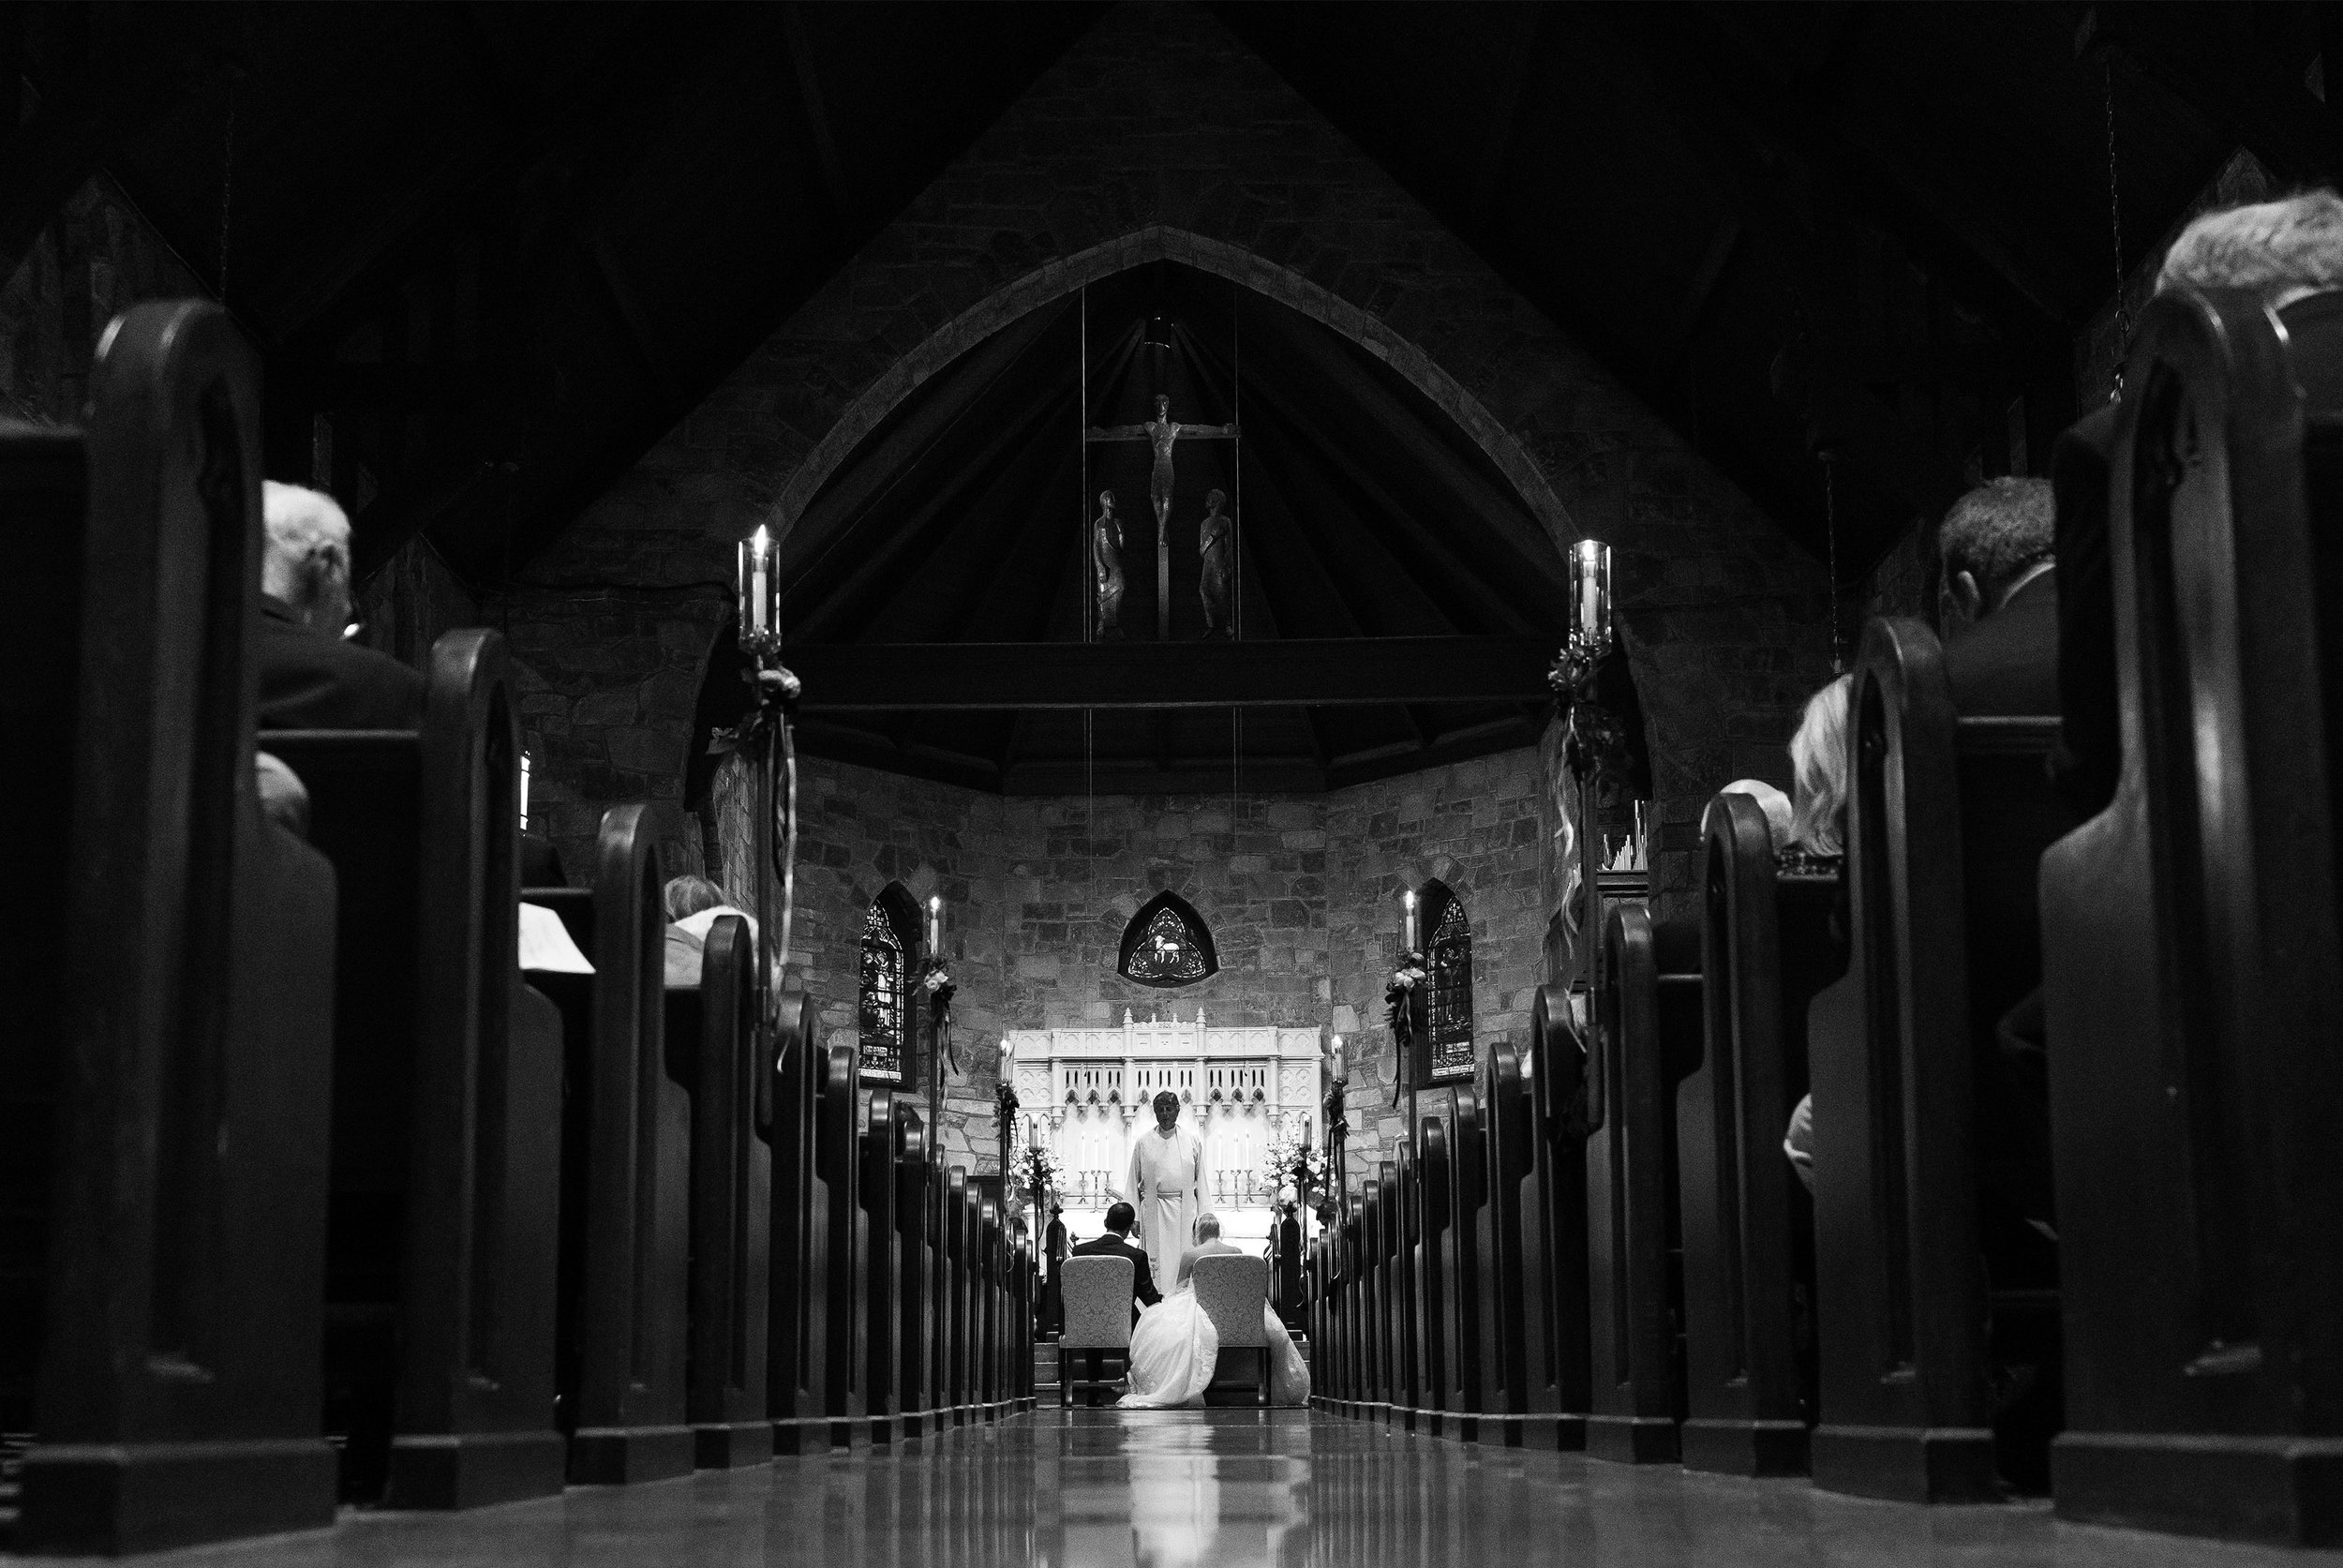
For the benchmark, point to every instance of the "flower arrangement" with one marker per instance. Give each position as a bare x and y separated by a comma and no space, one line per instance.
935,983
1295,1162
1035,1171
1397,994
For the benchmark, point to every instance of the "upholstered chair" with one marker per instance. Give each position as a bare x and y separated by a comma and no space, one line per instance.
1232,1290
1098,1322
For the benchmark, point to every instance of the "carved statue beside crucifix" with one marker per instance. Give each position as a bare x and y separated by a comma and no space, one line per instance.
1161,432
1215,544
1106,556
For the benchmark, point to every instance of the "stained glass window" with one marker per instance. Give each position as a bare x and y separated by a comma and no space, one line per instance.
1449,1000
1166,944
885,1005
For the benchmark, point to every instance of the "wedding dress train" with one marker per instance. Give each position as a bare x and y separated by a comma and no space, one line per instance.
1175,1346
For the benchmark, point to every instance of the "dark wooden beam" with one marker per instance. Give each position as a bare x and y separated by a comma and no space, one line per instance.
1130,776
1327,671
811,102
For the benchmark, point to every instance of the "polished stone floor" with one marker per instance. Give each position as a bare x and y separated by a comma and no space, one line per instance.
1230,1488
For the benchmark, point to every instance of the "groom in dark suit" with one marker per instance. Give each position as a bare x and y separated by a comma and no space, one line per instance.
1117,1244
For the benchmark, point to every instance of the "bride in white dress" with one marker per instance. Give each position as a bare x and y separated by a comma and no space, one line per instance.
1174,1347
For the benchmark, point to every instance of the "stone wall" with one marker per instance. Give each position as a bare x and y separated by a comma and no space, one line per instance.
1301,895
1475,826
1161,135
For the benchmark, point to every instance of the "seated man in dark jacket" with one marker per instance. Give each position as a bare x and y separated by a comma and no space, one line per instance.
310,677
1116,1243
1999,602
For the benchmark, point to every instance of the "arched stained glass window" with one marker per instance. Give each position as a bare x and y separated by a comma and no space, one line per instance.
886,1026
1166,944
1448,1000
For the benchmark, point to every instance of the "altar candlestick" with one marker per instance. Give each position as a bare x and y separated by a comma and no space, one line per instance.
759,589
1590,597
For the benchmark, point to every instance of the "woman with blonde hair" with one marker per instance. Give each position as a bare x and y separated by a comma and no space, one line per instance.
1818,768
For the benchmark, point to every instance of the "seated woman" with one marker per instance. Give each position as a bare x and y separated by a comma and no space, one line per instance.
1817,832
693,905
1175,1346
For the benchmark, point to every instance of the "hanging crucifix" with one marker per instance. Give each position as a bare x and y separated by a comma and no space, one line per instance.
1162,431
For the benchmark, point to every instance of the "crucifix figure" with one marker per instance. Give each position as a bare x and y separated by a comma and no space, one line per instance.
1161,431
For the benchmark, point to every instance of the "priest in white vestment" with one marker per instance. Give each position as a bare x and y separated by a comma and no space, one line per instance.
1166,1188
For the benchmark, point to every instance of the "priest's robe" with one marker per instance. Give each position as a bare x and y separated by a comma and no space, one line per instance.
1166,1188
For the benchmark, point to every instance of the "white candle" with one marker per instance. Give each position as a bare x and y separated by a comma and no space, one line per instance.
524,792
759,565
1342,1074
935,926
1406,921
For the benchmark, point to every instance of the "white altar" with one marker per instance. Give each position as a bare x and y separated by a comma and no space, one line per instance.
1084,1093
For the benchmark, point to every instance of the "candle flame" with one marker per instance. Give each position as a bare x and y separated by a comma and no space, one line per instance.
1408,898
936,902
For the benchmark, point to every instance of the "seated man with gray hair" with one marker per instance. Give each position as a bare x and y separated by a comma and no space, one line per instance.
311,677
2291,252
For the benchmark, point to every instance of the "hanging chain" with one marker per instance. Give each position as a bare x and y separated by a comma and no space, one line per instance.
1830,526
2115,232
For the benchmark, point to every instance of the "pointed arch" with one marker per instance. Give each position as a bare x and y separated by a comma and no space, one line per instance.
890,966
1166,944
1448,981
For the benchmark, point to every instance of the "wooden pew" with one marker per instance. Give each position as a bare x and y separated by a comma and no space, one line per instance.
1380,1209
732,1184
2190,940
1405,1232
1947,819
626,1172
1765,950
918,1206
1647,1032
882,1264
846,1249
952,1322
796,1354
168,1046
986,1271
443,1245
44,494
1292,1302
1473,1320
1437,1342
1534,1244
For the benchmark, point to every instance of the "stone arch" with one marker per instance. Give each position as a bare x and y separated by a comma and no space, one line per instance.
1161,241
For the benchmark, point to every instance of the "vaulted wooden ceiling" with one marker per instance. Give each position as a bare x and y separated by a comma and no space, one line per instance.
1363,511
502,249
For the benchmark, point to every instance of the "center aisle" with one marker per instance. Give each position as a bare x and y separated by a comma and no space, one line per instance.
1228,1487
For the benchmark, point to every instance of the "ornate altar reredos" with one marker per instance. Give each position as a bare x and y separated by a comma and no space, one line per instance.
1085,1094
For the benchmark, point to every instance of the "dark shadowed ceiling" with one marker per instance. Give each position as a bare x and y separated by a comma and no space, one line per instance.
498,249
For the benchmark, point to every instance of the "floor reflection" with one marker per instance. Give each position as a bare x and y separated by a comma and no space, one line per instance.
1179,1489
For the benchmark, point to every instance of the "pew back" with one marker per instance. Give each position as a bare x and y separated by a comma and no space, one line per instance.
178,1383
2191,936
